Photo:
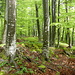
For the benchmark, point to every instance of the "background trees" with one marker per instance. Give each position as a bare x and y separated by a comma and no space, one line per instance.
42,26
30,21
30,13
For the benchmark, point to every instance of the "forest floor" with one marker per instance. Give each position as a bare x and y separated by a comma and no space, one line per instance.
30,62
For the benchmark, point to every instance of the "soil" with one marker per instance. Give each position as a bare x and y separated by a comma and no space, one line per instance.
58,64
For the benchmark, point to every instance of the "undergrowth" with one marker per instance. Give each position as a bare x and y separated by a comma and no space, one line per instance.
30,61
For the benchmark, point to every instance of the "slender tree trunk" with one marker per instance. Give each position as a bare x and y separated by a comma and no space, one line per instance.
5,23
1,28
73,36
50,27
46,29
58,21
68,39
53,21
38,24
33,32
29,31
63,32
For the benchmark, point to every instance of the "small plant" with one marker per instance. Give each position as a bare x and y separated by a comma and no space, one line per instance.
30,70
36,58
2,64
42,66
58,73
19,63
23,69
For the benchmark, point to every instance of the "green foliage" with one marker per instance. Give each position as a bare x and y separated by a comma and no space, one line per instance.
19,63
2,55
31,39
2,64
57,73
25,70
32,43
51,51
42,66
1,45
36,58
30,70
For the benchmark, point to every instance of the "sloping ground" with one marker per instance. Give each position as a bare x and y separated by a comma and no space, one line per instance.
30,62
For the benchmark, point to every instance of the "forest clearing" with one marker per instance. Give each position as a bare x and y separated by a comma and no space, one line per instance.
37,37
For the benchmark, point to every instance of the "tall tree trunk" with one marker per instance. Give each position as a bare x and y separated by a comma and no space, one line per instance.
58,21
53,21
67,33
63,32
73,36
46,29
38,24
11,30
5,22
68,39
50,27
28,30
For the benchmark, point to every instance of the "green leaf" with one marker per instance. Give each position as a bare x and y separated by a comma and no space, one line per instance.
42,66
58,73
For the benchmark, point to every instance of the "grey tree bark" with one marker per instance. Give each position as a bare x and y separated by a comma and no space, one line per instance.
46,29
50,27
11,30
53,34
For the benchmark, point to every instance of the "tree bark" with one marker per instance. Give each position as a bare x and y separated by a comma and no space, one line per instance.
58,21
11,30
5,23
38,24
53,21
46,29
73,36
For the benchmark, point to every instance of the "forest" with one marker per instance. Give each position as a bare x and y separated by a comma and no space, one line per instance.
37,37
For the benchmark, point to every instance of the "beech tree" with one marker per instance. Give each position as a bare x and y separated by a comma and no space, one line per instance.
53,28
11,32
46,29
5,22
38,24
